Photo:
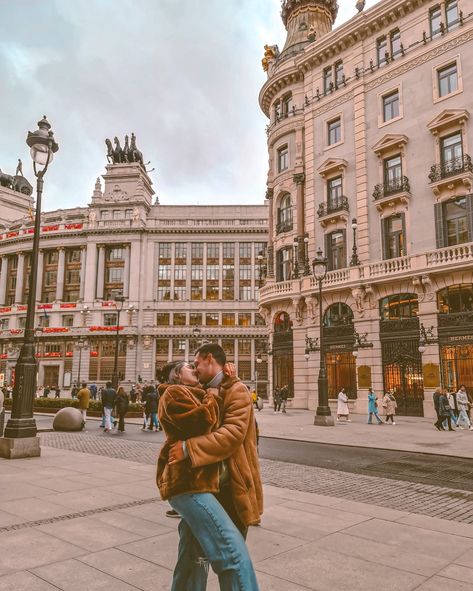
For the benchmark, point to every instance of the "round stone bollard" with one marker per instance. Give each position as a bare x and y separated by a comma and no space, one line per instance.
68,419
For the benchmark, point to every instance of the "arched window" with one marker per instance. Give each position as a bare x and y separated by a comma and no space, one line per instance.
399,305
284,223
456,298
282,322
338,314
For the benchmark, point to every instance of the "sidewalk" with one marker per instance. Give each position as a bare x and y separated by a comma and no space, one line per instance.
98,526
408,434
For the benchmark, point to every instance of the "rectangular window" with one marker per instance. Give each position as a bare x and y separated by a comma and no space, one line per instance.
447,79
178,347
68,320
244,319
328,80
396,45
286,105
195,319
71,296
245,293
284,264
453,15
392,173
162,347
394,237
164,293
115,254
179,319
164,251
109,319
43,321
180,252
162,319
117,214
72,277
180,273
51,257
339,76
452,153
336,251
128,214
456,221
211,319
334,191
382,51
334,131
228,319
73,255
114,275
283,158
245,251
4,322
435,17
228,345
244,347
105,214
197,272
391,106
180,293
213,253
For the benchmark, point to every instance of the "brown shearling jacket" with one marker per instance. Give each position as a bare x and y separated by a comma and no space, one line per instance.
185,412
235,442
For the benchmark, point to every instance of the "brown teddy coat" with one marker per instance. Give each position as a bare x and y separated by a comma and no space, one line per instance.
235,442
185,412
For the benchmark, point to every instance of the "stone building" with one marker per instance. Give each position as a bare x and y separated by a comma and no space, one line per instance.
188,274
369,138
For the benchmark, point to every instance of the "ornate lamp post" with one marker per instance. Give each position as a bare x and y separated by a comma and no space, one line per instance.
119,299
355,261
21,424
323,415
80,345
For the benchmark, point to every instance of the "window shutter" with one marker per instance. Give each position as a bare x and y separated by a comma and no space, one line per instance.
384,226
469,216
440,225
345,248
328,252
404,235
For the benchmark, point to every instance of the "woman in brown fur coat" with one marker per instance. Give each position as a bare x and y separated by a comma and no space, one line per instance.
186,410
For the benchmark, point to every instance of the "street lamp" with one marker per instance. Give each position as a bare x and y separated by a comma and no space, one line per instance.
21,423
355,261
119,299
80,345
323,415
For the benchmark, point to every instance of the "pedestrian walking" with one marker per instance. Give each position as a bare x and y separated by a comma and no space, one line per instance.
205,516
46,391
389,405
343,411
93,391
463,406
152,408
284,394
444,413
373,407
84,401
254,398
57,392
277,400
108,403
121,408
452,402
74,391
39,392
133,394
436,401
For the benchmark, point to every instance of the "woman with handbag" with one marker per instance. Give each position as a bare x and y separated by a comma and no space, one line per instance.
389,405
373,407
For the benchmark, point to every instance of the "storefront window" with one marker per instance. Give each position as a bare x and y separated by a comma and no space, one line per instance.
338,314
457,298
400,305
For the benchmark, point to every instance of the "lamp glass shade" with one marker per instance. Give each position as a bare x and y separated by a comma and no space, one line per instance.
355,353
421,349
40,153
319,269
306,355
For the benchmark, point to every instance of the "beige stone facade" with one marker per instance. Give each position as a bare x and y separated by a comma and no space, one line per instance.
188,274
371,122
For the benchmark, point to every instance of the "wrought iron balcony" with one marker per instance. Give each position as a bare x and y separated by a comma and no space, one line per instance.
400,185
333,206
283,227
450,168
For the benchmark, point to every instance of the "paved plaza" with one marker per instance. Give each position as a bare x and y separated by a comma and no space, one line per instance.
73,520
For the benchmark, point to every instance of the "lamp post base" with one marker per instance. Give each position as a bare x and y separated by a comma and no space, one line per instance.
13,448
324,421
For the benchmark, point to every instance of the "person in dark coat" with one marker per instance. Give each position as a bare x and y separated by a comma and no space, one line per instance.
121,408
109,396
152,408
436,398
444,412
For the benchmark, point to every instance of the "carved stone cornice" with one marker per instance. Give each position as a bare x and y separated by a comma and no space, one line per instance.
269,193
299,178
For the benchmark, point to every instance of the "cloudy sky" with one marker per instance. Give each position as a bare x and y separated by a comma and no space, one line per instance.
183,75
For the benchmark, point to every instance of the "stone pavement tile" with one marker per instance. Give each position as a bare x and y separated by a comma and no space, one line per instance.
93,499
64,484
412,539
155,512
324,570
265,582
465,559
85,480
300,525
33,509
121,477
24,581
135,490
458,572
72,575
437,524
297,495
131,569
137,525
8,519
271,500
28,548
441,584
372,510
15,490
161,549
88,533
380,553
330,518
264,543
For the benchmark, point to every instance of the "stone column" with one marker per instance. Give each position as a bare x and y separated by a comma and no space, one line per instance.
39,286
20,275
254,270
89,272
204,276
83,262
361,174
3,280
60,274
236,281
126,272
431,357
100,272
220,272
270,251
299,179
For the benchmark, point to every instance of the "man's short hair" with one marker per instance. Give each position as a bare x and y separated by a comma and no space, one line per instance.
212,349
108,385
84,384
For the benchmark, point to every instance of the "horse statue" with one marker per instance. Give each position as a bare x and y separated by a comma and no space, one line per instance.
109,151
6,180
118,157
135,155
126,150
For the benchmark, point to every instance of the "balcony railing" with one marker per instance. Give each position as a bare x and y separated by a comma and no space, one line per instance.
399,185
332,206
450,168
283,227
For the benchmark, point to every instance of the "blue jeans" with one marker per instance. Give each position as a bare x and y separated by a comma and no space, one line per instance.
370,417
153,420
463,416
207,532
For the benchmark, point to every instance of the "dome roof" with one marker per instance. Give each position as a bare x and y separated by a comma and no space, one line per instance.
288,7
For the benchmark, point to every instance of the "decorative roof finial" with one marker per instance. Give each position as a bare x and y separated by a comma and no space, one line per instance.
360,5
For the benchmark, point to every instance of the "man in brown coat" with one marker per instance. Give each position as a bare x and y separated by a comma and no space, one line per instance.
233,444
84,400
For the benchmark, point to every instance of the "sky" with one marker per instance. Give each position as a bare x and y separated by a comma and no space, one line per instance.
183,75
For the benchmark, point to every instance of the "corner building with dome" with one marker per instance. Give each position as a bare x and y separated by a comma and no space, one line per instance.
369,143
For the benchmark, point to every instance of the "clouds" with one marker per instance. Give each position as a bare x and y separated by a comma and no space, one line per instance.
184,75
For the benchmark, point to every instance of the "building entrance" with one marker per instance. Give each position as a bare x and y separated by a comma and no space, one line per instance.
457,367
51,375
283,355
341,373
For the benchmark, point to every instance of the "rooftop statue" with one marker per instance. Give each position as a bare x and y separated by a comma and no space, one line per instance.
16,182
126,155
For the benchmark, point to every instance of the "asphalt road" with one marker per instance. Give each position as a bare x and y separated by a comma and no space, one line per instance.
397,465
